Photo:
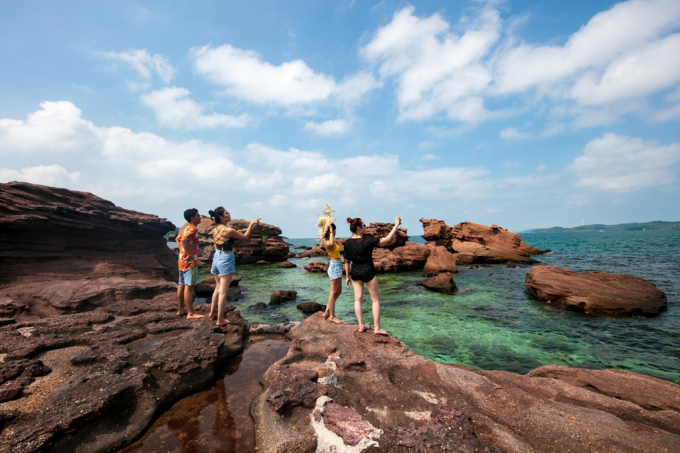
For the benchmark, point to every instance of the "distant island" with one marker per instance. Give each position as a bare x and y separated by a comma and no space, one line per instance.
648,226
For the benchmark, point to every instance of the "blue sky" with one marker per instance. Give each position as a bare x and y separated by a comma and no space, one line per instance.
522,114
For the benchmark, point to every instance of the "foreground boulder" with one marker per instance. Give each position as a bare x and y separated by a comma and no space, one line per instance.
479,244
374,392
440,260
595,292
104,375
63,251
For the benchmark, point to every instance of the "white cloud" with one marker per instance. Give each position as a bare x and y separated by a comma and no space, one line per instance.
174,108
48,175
317,184
58,126
607,36
329,128
144,63
541,167
511,164
429,156
246,76
621,163
510,133
437,71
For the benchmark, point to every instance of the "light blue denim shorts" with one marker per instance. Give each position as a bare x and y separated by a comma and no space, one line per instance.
188,277
335,269
223,263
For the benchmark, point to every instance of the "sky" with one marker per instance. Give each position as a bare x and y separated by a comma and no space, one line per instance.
523,114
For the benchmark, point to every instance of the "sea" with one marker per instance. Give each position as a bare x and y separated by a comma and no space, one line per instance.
492,322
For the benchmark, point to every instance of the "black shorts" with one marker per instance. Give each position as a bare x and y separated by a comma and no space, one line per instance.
362,272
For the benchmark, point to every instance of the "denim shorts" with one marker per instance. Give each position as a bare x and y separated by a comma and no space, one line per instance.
335,269
223,263
188,277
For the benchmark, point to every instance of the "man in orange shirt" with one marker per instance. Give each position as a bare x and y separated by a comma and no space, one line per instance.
187,239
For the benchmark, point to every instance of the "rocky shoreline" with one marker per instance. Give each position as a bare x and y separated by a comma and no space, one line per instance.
91,351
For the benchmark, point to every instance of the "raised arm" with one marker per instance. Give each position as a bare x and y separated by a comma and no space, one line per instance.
329,244
387,239
232,233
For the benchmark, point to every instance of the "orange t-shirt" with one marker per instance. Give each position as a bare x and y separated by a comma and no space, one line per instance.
190,233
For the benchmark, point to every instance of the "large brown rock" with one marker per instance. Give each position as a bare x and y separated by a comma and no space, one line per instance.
595,292
440,260
442,283
425,406
63,251
248,251
409,257
316,266
480,244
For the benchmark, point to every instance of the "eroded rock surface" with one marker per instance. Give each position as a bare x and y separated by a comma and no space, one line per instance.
421,405
97,379
480,244
595,292
63,251
442,283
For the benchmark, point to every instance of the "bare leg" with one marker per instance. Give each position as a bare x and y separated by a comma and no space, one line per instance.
336,290
374,292
358,287
225,281
180,300
189,301
215,297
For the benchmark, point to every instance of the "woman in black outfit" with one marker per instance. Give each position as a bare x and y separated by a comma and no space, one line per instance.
359,268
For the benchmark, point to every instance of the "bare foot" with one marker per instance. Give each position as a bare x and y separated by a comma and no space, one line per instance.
326,315
223,323
362,329
335,320
380,332
194,316
180,313
212,316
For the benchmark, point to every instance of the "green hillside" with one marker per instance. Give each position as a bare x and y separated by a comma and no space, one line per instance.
648,226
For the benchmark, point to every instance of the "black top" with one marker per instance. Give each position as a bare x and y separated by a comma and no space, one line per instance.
226,246
360,250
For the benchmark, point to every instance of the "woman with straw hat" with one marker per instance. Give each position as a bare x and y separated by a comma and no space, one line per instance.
327,237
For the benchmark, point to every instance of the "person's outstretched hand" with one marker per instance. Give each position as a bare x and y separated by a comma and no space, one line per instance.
256,221
397,222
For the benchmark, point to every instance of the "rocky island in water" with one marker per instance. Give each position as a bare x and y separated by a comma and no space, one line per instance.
91,351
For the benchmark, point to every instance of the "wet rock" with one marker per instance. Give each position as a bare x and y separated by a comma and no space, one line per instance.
203,290
316,266
475,243
282,296
595,292
409,397
210,280
258,306
260,262
274,329
291,255
310,307
294,387
286,265
442,283
440,260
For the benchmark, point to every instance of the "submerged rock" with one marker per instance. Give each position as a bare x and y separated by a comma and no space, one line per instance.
316,266
404,402
286,265
282,296
595,292
442,283
310,307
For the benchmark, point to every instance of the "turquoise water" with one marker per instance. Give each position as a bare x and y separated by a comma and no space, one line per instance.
492,322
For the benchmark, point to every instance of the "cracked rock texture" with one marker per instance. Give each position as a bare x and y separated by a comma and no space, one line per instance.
425,406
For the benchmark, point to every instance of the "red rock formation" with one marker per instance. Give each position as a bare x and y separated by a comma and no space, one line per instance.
427,406
316,266
286,265
595,292
381,230
63,251
440,260
317,250
481,244
409,257
249,251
